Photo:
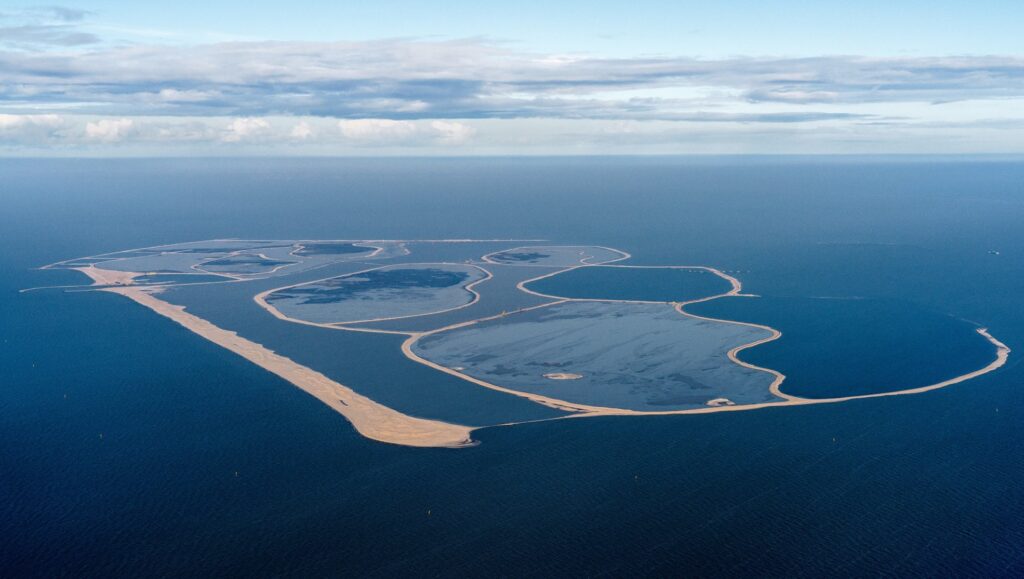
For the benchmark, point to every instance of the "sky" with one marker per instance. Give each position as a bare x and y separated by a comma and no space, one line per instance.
401,77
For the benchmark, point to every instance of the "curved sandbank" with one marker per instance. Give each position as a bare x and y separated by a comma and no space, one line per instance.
369,418
241,263
499,294
735,287
310,248
630,283
554,255
583,410
837,347
235,260
586,411
263,299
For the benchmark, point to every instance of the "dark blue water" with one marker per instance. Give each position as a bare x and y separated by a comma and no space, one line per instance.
917,485
371,364
847,347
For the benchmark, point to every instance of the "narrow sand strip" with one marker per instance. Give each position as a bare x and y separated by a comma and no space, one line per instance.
369,418
585,261
108,276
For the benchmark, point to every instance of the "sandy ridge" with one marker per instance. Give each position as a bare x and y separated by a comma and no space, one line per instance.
372,420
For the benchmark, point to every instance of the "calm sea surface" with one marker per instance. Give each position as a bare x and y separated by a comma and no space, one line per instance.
129,446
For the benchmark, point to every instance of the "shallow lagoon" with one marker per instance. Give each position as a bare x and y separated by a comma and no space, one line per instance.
178,278
557,256
633,283
331,248
165,262
633,356
388,292
243,264
501,295
370,364
234,257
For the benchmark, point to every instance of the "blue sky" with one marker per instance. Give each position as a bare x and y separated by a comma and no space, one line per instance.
403,77
712,29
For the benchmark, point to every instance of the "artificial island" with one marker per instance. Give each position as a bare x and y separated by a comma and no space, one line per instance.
421,342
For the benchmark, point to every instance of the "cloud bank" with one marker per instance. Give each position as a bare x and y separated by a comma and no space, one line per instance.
65,90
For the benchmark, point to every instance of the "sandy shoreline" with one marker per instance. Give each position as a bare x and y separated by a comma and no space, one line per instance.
108,276
372,420
585,261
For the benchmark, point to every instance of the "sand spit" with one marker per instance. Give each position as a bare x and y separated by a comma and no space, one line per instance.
108,276
369,418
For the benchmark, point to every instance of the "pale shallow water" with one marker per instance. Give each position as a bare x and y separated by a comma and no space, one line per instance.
627,355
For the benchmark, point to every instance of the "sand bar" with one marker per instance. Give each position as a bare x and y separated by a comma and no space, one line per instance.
372,420
108,276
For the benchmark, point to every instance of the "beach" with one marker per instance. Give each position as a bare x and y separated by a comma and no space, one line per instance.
369,418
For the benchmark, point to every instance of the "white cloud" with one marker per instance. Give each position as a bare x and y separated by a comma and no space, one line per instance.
377,129
247,128
384,131
302,131
171,95
17,122
29,129
181,135
452,132
393,96
466,79
109,130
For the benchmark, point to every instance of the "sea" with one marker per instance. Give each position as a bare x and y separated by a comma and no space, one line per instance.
132,447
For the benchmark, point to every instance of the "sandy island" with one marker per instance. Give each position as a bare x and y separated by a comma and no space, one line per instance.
384,424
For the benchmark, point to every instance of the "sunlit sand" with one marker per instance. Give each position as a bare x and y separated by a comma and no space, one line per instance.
369,418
